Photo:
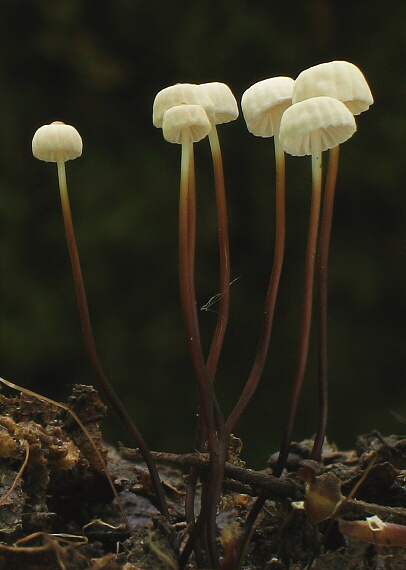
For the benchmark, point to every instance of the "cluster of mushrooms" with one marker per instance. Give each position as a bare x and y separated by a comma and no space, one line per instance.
306,116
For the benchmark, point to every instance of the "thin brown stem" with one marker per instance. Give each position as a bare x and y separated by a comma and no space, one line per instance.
263,345
186,250
322,269
191,229
224,253
91,347
306,312
211,415
270,302
224,295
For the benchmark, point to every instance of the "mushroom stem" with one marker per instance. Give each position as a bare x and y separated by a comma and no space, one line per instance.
307,305
187,290
244,540
270,301
224,252
218,337
322,267
211,415
90,344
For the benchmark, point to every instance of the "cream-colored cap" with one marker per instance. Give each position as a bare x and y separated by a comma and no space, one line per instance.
264,102
339,79
179,94
56,141
224,103
191,119
315,124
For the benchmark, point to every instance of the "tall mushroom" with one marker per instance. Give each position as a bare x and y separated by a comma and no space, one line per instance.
221,107
309,128
343,81
186,124
58,143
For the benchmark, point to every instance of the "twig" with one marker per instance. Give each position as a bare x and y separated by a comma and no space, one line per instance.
267,486
255,483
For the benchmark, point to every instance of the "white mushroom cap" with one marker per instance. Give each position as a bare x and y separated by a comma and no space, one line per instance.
339,79
264,102
56,141
314,125
190,118
179,94
224,102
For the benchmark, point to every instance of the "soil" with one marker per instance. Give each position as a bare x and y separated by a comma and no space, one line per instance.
58,509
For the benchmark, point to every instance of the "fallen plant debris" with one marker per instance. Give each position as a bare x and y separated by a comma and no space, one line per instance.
61,512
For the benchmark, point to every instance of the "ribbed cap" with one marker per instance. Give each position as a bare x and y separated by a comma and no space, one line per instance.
55,141
319,123
339,79
190,118
179,94
224,103
264,102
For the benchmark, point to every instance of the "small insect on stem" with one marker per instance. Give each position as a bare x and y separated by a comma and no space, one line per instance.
215,299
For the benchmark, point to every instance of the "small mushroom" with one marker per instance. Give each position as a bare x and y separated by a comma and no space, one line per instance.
309,128
186,124
58,143
263,105
343,81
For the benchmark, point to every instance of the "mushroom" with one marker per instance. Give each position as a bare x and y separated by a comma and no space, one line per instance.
224,109
186,124
173,96
343,81
59,143
166,99
309,128
263,105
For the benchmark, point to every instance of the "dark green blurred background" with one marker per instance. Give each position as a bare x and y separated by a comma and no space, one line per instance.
98,65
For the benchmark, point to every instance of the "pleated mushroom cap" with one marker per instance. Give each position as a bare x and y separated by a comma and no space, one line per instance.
264,102
179,94
190,118
56,141
339,79
315,124
224,103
